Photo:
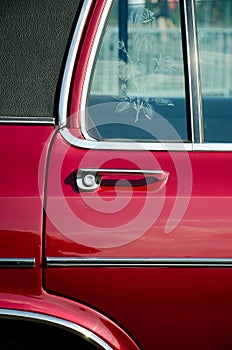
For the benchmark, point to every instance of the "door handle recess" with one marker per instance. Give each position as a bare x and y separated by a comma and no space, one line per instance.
90,179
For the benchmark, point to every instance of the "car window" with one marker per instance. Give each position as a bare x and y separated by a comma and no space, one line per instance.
214,23
137,89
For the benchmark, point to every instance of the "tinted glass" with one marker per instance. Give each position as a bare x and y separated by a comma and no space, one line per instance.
214,21
137,90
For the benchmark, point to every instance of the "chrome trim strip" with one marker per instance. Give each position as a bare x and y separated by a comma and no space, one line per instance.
27,120
123,171
213,147
136,146
85,333
68,71
124,145
17,263
138,262
89,69
194,72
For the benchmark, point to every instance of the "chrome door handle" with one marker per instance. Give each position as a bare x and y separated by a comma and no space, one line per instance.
90,179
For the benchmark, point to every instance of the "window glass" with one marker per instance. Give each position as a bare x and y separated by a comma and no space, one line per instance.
137,90
214,22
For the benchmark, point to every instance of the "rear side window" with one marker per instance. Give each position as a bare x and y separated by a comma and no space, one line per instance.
137,85
214,23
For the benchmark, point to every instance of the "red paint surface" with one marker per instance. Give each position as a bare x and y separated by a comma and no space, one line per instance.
75,312
204,229
161,308
23,154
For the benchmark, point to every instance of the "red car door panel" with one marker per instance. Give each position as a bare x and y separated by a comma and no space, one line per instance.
152,253
164,277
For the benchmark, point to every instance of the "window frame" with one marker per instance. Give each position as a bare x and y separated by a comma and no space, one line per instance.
192,79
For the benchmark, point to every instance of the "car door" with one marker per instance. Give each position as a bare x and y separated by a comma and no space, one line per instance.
138,193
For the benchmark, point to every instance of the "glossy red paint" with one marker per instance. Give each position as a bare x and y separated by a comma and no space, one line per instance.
22,180
64,309
23,162
72,213
161,307
149,303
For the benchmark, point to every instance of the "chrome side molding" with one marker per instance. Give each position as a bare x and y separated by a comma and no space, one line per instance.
27,120
22,263
138,262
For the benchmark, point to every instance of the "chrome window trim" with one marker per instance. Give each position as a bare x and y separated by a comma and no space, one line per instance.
194,81
212,147
79,330
90,65
136,146
123,145
27,120
137,262
17,263
69,66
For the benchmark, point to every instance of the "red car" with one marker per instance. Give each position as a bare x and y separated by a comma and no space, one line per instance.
116,196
